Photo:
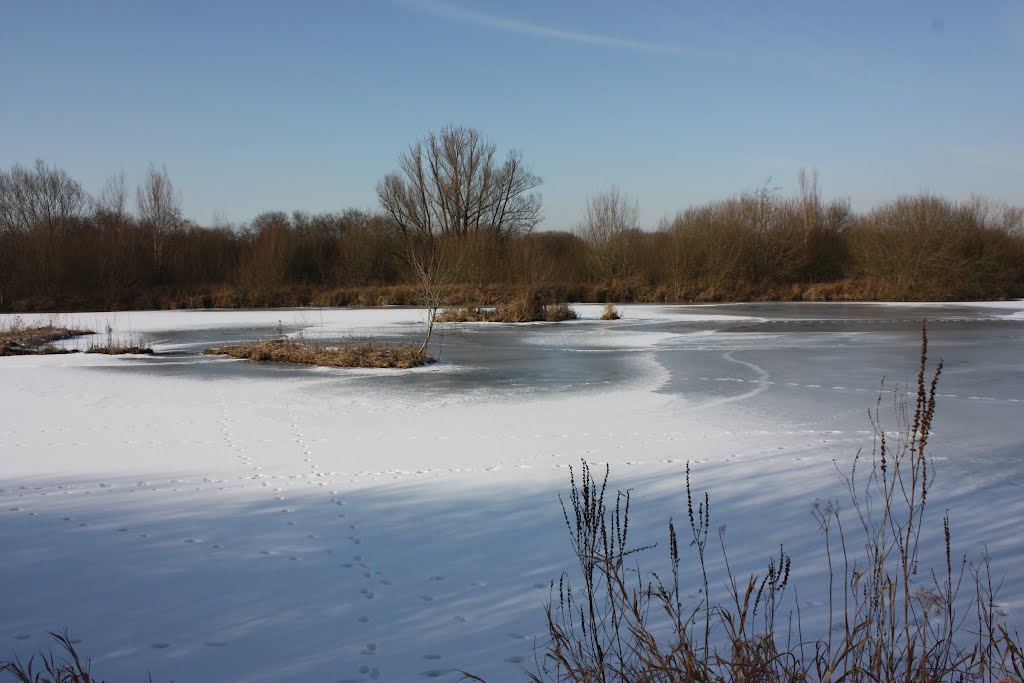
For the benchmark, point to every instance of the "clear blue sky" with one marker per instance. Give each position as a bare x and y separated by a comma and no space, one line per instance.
257,106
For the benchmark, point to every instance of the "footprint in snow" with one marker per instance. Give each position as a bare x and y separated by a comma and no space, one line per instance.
435,673
432,656
215,643
516,659
21,636
160,646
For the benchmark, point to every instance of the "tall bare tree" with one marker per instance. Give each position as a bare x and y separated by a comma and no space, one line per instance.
159,212
610,219
450,186
42,204
112,215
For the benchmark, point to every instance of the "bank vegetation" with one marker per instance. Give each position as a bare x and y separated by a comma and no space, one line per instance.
63,249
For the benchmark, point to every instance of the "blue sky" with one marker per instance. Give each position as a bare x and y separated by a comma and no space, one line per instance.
259,106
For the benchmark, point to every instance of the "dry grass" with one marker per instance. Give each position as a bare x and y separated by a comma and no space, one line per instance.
368,354
116,346
121,347
609,312
19,339
525,308
69,668
554,313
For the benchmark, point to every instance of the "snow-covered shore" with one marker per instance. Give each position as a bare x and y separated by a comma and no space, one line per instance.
204,521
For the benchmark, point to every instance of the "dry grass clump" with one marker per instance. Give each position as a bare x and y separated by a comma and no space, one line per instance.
526,308
886,618
116,346
121,347
554,313
609,312
68,669
19,339
368,354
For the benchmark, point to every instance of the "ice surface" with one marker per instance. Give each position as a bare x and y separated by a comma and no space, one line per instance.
208,519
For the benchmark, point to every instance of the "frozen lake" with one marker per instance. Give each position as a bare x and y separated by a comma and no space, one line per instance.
208,519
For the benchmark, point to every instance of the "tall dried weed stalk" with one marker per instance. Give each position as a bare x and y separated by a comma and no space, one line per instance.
887,618
65,668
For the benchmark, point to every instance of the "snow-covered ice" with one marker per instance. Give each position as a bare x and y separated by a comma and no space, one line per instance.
208,519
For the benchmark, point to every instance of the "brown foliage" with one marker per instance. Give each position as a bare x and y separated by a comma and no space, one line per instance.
60,250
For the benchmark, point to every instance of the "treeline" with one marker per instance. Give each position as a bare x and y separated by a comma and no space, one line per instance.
62,249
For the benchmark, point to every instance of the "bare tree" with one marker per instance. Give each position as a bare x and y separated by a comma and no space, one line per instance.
159,211
112,216
265,266
610,219
41,203
449,186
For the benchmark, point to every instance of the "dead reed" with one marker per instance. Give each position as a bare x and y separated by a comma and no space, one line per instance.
885,620
68,668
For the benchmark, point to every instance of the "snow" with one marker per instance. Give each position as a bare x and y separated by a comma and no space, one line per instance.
207,519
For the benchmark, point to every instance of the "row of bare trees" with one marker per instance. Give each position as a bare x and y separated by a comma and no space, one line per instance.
458,220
